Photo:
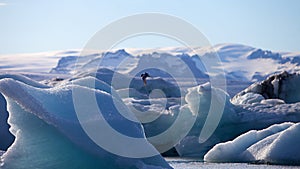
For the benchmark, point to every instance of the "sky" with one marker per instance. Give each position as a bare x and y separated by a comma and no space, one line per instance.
37,26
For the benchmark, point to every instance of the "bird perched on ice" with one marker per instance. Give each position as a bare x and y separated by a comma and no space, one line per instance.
144,76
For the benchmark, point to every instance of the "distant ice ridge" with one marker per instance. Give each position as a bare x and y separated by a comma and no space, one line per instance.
240,62
48,133
277,144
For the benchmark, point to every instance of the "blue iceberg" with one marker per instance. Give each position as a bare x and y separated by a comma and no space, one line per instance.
278,144
49,133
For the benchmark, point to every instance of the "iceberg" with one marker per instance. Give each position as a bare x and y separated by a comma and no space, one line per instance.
277,144
248,110
198,105
23,79
6,137
284,86
268,116
50,135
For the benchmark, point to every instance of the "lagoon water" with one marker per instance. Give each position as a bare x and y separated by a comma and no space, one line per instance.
190,163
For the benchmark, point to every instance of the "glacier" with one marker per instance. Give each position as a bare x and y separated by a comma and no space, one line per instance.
240,62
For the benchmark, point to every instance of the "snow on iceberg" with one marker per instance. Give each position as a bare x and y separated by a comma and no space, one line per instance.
131,92
49,135
248,98
23,79
278,144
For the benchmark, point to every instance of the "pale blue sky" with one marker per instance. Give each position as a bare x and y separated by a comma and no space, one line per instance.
36,25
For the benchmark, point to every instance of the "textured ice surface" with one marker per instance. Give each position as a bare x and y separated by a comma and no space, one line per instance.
250,111
278,144
282,86
198,104
49,134
6,137
272,101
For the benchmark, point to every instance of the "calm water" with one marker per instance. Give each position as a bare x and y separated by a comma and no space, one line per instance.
185,163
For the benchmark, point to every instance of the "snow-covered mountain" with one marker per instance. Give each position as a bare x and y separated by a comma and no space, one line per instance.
254,64
239,62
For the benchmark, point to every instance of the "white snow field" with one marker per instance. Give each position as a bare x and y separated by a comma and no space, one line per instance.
42,128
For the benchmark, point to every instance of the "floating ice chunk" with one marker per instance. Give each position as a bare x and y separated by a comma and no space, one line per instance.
278,144
272,101
6,137
276,85
147,110
177,124
282,86
251,111
198,102
285,148
248,98
49,134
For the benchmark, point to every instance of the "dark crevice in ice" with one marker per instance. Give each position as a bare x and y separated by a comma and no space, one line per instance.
6,138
